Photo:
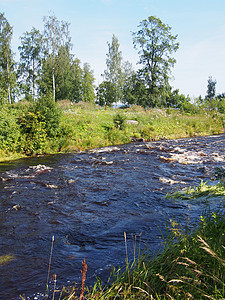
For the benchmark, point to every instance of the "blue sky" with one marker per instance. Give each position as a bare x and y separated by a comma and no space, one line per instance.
200,26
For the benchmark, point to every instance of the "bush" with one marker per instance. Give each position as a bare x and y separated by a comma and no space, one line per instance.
48,114
119,121
188,107
221,106
9,130
39,122
3,97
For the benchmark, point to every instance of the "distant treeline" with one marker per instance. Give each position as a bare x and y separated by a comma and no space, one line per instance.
48,67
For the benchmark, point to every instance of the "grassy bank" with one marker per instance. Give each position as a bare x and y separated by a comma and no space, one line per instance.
29,132
190,267
97,128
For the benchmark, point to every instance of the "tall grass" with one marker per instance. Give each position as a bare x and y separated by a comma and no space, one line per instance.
83,126
97,128
191,266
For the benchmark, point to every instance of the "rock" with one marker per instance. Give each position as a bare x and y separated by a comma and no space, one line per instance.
132,122
17,207
134,139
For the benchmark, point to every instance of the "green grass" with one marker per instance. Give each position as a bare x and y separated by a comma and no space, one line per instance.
204,189
84,126
98,127
6,258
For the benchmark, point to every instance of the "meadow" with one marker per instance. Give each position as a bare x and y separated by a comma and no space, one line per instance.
67,127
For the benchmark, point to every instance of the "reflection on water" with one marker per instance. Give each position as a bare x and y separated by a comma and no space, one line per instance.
88,200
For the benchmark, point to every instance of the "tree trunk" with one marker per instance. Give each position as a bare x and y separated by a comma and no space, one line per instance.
53,83
8,83
33,83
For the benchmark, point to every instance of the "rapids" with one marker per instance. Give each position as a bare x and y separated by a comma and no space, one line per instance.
88,200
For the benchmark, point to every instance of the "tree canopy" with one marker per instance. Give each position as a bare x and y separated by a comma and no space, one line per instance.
155,44
7,76
47,66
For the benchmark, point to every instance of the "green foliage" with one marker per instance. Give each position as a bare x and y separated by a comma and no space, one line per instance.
88,89
120,121
38,124
44,128
188,107
3,97
113,73
56,36
221,106
105,93
211,89
7,74
156,45
204,189
48,114
135,92
10,137
31,54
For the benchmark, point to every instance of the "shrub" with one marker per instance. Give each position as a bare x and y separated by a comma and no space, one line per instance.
119,121
38,123
3,97
9,130
221,106
48,114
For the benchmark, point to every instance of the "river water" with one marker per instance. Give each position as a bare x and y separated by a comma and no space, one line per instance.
88,200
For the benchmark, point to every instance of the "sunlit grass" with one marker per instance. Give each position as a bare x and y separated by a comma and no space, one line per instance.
204,189
86,126
6,258
191,266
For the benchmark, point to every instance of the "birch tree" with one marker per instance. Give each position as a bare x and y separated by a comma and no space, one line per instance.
113,73
31,55
6,56
155,44
56,35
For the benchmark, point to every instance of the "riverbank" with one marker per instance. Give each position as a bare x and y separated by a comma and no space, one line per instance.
190,267
82,127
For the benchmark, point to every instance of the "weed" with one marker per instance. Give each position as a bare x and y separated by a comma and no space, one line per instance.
191,266
204,189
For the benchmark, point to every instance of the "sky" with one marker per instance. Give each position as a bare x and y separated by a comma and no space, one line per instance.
199,24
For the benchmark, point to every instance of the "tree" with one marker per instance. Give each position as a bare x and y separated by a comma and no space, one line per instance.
211,89
56,34
88,88
134,91
68,77
156,45
105,93
113,74
7,77
31,54
63,80
76,81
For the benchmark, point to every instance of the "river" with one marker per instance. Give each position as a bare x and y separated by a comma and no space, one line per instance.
88,200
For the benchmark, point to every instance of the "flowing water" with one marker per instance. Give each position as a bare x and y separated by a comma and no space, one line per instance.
88,200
